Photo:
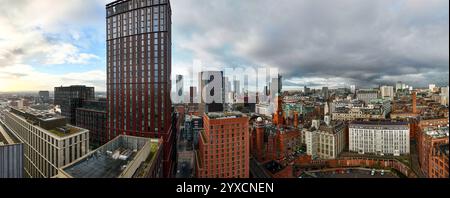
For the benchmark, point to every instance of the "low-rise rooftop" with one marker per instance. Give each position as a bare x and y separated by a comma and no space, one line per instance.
225,115
119,158
53,123
380,122
437,132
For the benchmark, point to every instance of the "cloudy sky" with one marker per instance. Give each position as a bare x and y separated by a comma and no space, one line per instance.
49,43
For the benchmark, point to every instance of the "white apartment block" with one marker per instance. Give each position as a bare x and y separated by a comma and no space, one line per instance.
46,150
381,138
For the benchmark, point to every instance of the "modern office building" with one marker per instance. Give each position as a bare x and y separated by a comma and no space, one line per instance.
237,87
400,86
70,98
122,157
306,90
92,116
325,93
380,138
139,65
11,155
224,146
48,142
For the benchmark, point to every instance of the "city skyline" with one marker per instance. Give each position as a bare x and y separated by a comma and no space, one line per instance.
307,89
66,46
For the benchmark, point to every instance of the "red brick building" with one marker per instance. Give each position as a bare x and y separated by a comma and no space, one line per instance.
439,162
224,149
429,139
270,142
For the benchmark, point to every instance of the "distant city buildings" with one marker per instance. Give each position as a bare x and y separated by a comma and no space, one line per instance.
212,91
387,92
180,89
444,96
325,93
353,89
346,110
432,87
44,96
218,130
366,95
306,90
401,87
379,138
237,87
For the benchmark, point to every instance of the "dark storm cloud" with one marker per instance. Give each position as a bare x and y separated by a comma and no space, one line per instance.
364,42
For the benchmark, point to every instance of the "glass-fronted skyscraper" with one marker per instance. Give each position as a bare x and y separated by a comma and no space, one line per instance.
139,70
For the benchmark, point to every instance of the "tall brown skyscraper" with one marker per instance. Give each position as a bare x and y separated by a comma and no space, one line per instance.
139,70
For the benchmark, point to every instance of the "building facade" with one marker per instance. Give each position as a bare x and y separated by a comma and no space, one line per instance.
387,92
70,98
439,162
430,139
224,150
366,95
92,116
326,140
48,142
381,138
139,70
11,155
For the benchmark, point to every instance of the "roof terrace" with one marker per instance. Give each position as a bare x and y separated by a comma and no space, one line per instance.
119,158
